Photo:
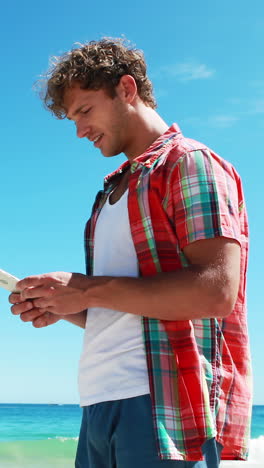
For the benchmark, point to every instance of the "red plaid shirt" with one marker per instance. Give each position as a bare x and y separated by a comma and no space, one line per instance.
199,370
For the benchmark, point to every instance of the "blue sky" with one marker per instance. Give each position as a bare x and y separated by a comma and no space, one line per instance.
206,63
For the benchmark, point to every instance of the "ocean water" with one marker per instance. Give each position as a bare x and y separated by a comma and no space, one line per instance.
38,436
46,436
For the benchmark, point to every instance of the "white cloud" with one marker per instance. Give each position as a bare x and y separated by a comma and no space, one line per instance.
248,106
259,84
256,106
235,101
189,71
222,121
214,121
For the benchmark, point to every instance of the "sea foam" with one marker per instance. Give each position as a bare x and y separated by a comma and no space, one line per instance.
60,452
255,459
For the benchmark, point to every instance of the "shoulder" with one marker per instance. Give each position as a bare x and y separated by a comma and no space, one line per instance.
189,157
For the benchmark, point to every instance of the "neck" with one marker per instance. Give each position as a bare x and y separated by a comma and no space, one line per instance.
146,127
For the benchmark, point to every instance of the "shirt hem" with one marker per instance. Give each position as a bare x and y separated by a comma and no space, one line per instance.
114,397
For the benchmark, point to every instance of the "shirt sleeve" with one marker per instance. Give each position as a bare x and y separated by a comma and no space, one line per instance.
205,197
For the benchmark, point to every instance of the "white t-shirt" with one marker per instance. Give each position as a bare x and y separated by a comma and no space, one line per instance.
113,362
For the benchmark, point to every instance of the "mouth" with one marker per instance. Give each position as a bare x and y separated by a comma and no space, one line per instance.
97,139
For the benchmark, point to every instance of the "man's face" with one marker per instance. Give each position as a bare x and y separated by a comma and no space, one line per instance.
100,118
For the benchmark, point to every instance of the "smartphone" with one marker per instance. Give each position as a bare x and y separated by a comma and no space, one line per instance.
8,281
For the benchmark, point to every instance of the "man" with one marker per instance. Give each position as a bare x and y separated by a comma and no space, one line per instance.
166,250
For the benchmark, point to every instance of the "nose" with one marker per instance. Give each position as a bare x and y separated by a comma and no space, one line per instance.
81,130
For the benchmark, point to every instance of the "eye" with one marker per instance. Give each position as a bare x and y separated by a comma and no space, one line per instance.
86,111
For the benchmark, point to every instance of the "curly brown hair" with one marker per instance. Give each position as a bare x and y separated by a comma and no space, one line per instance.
95,65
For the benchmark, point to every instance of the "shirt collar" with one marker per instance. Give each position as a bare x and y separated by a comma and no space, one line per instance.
151,154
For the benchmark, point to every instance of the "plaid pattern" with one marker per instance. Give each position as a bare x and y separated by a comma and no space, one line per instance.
199,370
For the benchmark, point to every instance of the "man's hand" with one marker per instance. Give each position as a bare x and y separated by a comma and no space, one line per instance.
29,313
43,297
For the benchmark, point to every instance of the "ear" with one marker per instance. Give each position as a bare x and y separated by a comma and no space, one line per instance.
127,88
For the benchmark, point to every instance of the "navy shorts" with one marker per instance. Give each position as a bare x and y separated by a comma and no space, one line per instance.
120,434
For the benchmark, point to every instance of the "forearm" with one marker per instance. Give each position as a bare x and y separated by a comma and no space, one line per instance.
208,287
78,319
182,295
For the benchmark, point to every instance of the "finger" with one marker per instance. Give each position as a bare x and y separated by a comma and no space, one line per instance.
39,322
14,298
44,320
42,302
34,281
18,309
31,315
33,292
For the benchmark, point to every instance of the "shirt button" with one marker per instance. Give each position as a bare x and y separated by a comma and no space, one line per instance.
134,167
